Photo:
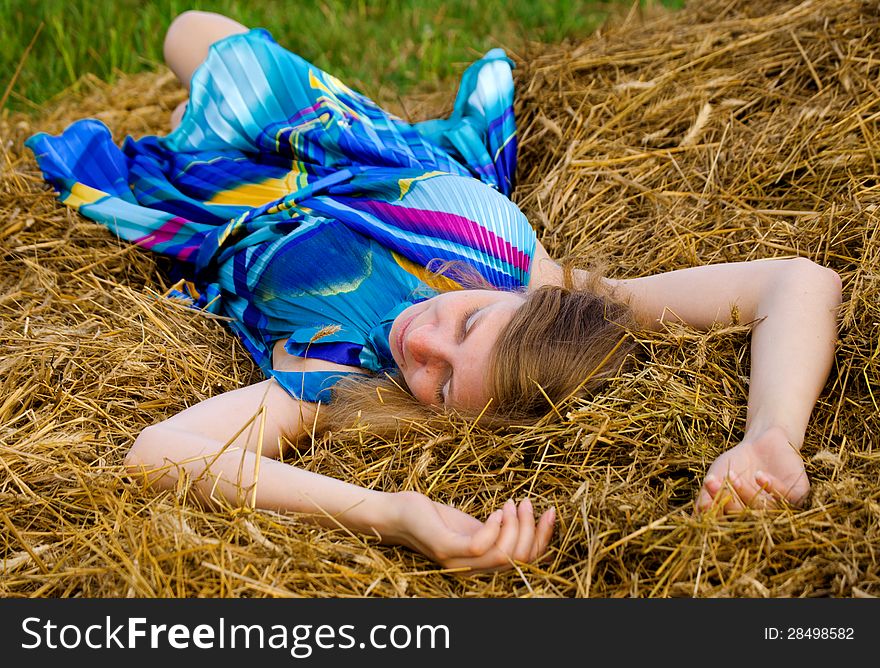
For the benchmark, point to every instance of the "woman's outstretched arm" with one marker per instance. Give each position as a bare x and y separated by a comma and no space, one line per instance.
226,448
792,307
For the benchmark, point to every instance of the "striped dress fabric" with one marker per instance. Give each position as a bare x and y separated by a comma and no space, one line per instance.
299,208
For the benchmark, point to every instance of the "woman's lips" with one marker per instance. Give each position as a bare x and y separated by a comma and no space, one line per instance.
400,335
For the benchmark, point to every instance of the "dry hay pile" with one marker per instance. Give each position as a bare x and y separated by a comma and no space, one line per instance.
727,131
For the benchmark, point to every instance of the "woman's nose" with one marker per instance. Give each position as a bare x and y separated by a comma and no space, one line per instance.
426,346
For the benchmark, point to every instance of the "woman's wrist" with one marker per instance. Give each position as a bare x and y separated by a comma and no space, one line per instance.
396,511
775,432
382,514
334,504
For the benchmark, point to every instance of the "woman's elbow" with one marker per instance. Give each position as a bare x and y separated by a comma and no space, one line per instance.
833,282
146,457
817,279
824,280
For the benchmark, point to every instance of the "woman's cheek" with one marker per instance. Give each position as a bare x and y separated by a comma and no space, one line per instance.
415,385
427,390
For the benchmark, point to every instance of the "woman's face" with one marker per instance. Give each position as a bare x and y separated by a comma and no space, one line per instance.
442,345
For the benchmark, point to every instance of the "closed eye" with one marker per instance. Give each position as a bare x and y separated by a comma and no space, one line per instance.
464,327
466,323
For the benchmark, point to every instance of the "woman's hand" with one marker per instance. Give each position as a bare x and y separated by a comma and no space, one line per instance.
761,472
457,540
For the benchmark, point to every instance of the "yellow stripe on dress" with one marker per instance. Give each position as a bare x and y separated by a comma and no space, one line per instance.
440,283
81,194
328,85
406,184
257,194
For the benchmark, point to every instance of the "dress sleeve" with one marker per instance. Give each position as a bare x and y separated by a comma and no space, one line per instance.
311,386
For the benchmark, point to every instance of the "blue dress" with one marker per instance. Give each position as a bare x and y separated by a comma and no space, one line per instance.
301,209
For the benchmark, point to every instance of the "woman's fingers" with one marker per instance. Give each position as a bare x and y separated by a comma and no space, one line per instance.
543,534
740,493
509,530
768,495
526,538
510,534
761,492
728,498
534,537
774,488
708,493
719,494
736,492
484,539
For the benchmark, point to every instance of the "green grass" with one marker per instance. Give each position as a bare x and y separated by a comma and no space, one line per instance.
370,44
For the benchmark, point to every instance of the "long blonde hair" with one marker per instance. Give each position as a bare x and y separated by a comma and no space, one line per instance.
563,342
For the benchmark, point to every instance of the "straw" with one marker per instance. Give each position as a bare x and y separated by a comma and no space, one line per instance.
726,131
